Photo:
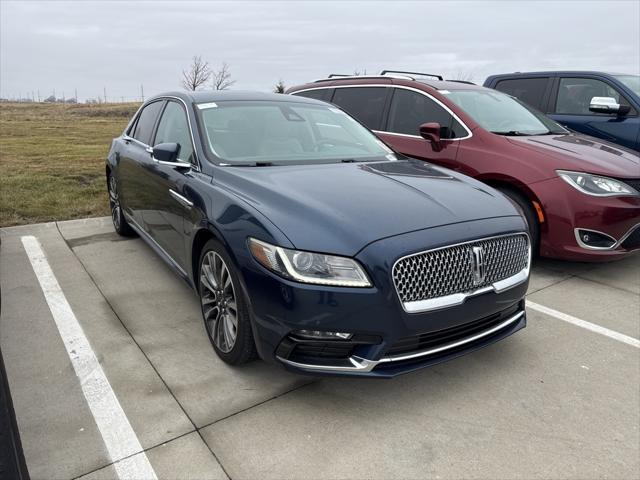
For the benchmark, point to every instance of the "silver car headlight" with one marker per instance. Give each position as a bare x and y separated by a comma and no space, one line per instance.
596,184
308,267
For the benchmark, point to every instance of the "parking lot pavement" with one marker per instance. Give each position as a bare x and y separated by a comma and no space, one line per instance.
553,401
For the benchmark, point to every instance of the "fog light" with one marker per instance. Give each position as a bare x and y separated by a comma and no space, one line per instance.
591,238
319,335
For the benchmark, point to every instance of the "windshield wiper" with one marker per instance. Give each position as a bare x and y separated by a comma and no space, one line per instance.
513,133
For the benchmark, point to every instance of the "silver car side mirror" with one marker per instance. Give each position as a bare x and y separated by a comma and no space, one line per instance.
604,105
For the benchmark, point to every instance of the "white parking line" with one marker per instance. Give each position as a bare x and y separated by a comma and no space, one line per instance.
634,342
117,433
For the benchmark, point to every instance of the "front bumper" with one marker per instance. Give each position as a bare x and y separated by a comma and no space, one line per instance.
568,211
387,340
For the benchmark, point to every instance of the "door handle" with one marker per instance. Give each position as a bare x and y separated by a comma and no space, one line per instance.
180,199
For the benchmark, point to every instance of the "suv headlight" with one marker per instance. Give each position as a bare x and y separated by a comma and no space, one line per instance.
308,267
595,184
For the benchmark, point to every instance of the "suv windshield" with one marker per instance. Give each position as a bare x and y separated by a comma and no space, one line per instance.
631,81
281,132
502,114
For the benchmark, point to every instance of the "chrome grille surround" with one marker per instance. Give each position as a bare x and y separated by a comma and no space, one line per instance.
446,276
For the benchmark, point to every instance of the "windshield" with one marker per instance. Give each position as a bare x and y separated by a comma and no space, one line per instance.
502,114
280,132
631,81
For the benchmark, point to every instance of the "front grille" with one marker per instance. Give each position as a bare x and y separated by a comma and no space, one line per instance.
632,241
448,270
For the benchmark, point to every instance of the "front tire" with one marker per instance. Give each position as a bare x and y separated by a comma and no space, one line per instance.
224,307
525,207
117,216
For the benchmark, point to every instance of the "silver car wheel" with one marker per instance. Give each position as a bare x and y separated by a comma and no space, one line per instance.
114,202
218,298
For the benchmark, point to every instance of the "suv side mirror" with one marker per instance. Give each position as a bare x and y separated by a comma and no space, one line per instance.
607,105
431,132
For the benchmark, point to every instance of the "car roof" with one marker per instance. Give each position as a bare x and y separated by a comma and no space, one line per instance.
450,85
557,72
204,96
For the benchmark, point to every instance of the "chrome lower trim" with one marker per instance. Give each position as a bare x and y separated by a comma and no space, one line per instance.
363,365
612,247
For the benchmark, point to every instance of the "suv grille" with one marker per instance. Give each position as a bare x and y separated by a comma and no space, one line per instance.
632,241
448,270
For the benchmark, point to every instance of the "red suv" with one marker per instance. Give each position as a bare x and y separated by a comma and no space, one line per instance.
580,195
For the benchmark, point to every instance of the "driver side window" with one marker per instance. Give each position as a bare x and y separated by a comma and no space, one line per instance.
575,94
174,128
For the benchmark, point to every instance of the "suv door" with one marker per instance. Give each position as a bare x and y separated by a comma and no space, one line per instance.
408,110
168,204
571,108
134,159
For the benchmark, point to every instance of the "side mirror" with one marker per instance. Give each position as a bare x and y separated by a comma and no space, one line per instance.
431,132
166,152
607,105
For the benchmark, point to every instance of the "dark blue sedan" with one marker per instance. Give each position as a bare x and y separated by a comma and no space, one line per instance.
310,242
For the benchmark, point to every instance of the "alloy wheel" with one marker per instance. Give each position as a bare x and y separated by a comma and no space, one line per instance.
219,306
114,202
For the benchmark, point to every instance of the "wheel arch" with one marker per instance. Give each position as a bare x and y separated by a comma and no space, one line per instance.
499,181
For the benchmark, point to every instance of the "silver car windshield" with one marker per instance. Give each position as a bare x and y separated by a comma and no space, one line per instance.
279,132
502,114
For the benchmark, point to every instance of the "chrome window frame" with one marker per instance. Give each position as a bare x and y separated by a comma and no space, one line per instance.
403,87
196,165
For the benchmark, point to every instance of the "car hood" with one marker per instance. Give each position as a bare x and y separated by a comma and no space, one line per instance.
341,208
584,154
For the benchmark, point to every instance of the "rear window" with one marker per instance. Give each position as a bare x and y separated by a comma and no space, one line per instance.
364,103
529,90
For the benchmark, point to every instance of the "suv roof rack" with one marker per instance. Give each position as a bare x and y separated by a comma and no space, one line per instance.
439,77
336,76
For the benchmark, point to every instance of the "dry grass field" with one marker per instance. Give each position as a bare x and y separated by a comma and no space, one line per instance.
52,159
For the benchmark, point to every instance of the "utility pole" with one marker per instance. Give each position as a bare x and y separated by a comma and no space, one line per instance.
54,94
105,94
142,92
121,99
63,99
75,91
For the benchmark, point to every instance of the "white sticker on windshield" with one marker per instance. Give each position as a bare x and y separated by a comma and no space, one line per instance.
444,92
202,106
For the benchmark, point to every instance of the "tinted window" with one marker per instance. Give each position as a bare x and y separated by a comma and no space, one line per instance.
174,128
575,94
364,103
321,94
411,109
146,121
529,90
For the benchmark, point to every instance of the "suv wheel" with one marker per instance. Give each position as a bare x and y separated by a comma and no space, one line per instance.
224,307
525,207
117,217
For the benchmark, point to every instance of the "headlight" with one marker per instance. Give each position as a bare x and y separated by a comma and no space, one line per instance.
595,184
308,267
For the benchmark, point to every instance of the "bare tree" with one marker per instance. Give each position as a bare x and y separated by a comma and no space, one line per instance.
197,75
357,73
280,87
463,76
222,78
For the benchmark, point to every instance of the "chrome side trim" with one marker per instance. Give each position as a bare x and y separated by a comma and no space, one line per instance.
389,85
612,247
180,199
454,299
363,365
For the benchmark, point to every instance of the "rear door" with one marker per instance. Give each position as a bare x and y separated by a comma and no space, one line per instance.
168,202
408,110
571,100
134,162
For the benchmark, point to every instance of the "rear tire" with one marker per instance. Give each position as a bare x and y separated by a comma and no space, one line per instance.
525,207
225,310
120,223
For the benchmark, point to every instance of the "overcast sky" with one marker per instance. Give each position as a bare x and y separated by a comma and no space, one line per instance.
120,45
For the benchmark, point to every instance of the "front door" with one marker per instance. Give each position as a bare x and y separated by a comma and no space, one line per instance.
169,203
